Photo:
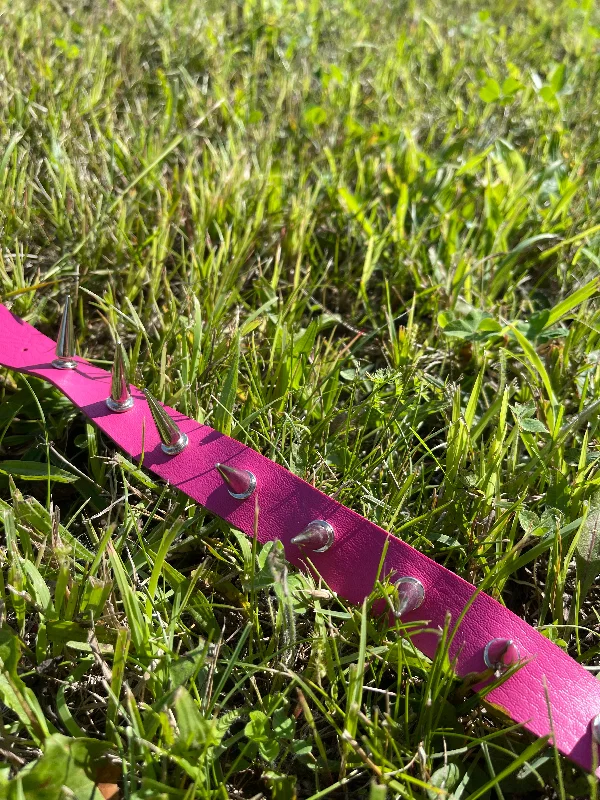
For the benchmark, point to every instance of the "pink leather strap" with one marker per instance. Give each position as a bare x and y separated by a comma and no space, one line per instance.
350,567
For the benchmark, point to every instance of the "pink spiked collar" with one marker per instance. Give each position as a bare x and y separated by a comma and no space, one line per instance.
550,694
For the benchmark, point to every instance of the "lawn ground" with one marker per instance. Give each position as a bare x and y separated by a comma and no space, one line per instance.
364,239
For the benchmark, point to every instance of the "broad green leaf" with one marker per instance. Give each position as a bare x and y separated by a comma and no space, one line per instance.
447,778
458,329
557,78
69,763
195,730
301,748
315,115
183,668
258,729
523,410
269,749
490,325
283,787
443,318
511,86
35,471
304,343
533,425
476,325
530,521
283,725
548,95
491,91
38,586
587,552
10,651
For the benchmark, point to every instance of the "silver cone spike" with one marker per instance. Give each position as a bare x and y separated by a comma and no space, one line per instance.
173,441
120,397
240,482
318,536
410,595
65,346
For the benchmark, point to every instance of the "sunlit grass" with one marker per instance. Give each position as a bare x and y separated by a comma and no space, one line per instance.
364,240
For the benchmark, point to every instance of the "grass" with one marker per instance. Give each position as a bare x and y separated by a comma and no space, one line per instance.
364,239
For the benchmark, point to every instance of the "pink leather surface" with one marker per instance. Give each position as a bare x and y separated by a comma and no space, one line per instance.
288,504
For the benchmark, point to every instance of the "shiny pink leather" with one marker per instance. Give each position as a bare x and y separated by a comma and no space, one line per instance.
287,504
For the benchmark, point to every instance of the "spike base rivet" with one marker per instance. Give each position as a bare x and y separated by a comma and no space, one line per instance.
411,594
596,729
500,654
64,363
119,407
173,449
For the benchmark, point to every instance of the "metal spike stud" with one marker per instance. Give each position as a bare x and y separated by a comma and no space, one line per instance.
500,654
240,482
596,728
318,536
173,441
411,594
65,346
120,397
